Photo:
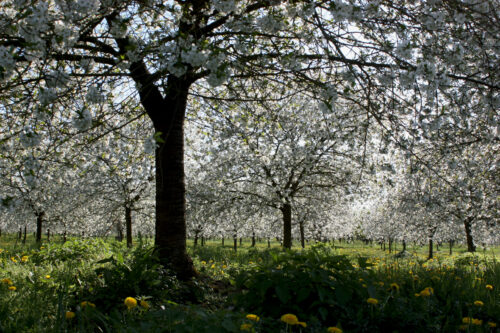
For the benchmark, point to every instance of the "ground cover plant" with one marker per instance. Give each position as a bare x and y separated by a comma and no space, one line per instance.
101,285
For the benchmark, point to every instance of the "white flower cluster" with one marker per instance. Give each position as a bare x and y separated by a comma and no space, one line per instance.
94,96
150,145
83,120
6,63
342,11
194,57
224,6
56,79
269,23
47,96
29,138
117,29
87,6
404,49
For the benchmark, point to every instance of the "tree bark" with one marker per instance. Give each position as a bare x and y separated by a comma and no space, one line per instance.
235,243
253,239
286,210
24,238
302,238
39,225
430,249
471,247
128,224
168,119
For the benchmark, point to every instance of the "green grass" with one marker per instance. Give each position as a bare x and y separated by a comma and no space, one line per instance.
323,285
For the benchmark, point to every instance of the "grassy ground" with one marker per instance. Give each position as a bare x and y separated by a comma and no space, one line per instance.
100,285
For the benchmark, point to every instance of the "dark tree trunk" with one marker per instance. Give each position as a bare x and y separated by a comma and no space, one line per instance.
222,241
430,249
302,238
196,232
24,238
268,243
451,247
235,243
39,225
404,245
119,228
286,210
20,233
202,240
128,224
65,236
168,120
471,247
253,239
390,245
48,235
241,241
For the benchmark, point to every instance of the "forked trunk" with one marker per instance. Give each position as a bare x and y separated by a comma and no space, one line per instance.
170,236
286,210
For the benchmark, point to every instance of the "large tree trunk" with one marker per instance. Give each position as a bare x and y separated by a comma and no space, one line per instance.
471,247
167,114
128,224
39,225
286,210
170,236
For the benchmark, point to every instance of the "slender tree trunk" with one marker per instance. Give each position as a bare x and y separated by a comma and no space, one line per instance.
268,243
430,249
471,247
128,224
195,238
24,238
65,236
235,243
253,239
302,238
451,247
286,210
222,241
20,233
241,241
39,225
404,245
48,235
390,245
202,240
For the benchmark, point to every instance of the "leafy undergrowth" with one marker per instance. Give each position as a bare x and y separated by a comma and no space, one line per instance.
99,286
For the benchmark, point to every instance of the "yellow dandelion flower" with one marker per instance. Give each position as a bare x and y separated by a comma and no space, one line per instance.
70,315
290,319
224,266
47,276
203,262
13,259
477,322
466,320
24,258
84,304
246,327
334,329
252,317
130,302
7,281
489,287
144,304
394,286
478,303
492,324
12,288
427,292
372,301
303,324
